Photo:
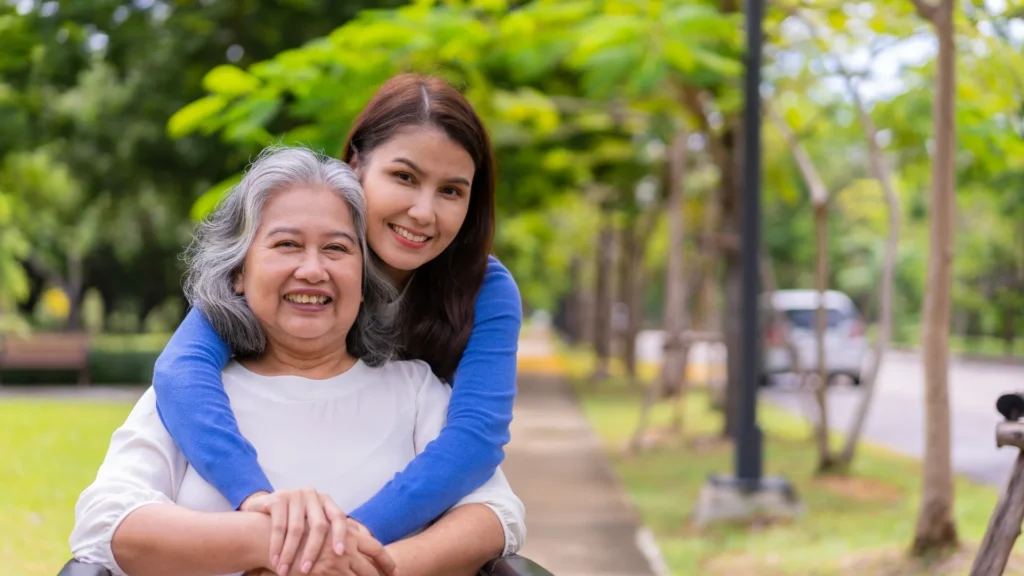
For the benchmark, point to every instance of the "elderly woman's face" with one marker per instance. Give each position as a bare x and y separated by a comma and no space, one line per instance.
303,274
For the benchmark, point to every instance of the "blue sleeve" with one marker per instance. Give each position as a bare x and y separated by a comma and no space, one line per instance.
194,408
471,445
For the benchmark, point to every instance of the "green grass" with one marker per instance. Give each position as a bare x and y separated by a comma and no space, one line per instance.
861,524
49,452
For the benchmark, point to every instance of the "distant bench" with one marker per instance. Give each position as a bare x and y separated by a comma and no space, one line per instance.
47,351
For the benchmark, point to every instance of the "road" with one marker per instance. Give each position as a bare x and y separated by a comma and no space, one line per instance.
896,419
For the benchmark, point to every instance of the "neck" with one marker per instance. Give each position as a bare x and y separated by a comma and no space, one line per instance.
281,359
400,278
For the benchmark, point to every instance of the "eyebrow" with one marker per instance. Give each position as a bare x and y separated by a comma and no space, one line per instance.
297,232
418,170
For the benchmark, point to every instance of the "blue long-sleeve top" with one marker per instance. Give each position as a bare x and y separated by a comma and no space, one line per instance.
194,407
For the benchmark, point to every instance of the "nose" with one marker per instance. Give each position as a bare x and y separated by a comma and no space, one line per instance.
422,209
312,268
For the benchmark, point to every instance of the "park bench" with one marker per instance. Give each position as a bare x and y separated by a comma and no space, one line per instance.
47,351
508,566
56,351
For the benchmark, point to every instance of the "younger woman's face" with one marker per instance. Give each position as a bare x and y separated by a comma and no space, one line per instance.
417,188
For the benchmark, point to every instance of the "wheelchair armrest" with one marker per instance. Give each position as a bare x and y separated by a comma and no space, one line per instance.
513,566
76,568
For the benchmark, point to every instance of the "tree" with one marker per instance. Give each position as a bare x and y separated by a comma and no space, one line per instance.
820,203
936,528
94,84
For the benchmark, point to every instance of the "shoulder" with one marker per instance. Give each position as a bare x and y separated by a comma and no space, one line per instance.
499,294
497,279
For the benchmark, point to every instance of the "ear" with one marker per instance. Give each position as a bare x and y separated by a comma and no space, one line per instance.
354,162
239,285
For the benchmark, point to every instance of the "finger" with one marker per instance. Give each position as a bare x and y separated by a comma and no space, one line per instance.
318,527
278,510
293,534
378,554
339,523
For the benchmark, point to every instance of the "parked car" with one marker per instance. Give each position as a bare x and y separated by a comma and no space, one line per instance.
845,340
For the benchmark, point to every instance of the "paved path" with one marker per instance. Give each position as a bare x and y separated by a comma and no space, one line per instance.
578,520
896,419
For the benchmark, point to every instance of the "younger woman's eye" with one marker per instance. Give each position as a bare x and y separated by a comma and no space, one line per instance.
451,191
404,176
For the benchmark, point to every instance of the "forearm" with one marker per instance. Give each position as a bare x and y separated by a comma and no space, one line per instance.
195,409
458,544
165,539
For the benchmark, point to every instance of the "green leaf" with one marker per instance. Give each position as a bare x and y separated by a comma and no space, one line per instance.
194,115
680,55
212,197
228,80
728,67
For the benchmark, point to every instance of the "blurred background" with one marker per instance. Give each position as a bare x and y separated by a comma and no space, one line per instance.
893,133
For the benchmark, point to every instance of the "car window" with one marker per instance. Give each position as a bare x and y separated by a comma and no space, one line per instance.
806,318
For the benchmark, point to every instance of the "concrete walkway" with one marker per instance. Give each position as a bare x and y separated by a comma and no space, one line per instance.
578,519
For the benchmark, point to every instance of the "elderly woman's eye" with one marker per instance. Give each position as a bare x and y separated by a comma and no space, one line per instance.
340,248
286,244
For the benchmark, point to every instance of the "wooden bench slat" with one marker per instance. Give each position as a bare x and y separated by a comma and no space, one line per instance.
43,351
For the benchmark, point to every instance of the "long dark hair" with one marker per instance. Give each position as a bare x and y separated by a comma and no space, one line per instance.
437,313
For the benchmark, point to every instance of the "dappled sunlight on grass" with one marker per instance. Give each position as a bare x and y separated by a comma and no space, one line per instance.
857,524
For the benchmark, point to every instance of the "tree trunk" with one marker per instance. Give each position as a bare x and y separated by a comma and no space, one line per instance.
629,286
821,324
75,291
870,376
603,295
935,524
673,366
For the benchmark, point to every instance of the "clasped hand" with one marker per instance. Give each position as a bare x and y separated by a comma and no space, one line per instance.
303,519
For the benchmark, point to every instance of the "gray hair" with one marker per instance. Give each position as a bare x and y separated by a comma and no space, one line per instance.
219,248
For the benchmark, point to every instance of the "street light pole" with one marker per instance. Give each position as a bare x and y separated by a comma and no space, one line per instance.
747,495
747,434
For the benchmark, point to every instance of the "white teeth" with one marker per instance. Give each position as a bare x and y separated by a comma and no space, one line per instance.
409,235
306,298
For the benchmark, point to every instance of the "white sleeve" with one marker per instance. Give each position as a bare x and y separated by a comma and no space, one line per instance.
431,415
143,466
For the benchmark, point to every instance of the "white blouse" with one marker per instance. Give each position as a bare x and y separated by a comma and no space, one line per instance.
371,421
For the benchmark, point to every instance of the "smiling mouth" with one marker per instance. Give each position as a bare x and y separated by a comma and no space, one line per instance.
408,235
308,299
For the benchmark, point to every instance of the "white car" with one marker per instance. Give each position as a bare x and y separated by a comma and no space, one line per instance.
845,341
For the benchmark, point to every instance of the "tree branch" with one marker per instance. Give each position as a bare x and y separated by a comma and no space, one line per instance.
818,190
692,100
925,9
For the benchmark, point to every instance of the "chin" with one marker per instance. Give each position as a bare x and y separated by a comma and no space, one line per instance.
306,332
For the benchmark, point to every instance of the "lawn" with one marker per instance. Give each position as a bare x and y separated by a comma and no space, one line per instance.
861,524
49,452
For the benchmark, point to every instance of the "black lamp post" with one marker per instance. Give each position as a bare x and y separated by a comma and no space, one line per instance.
748,436
748,495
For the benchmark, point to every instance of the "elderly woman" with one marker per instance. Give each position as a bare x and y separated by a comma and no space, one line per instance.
279,270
